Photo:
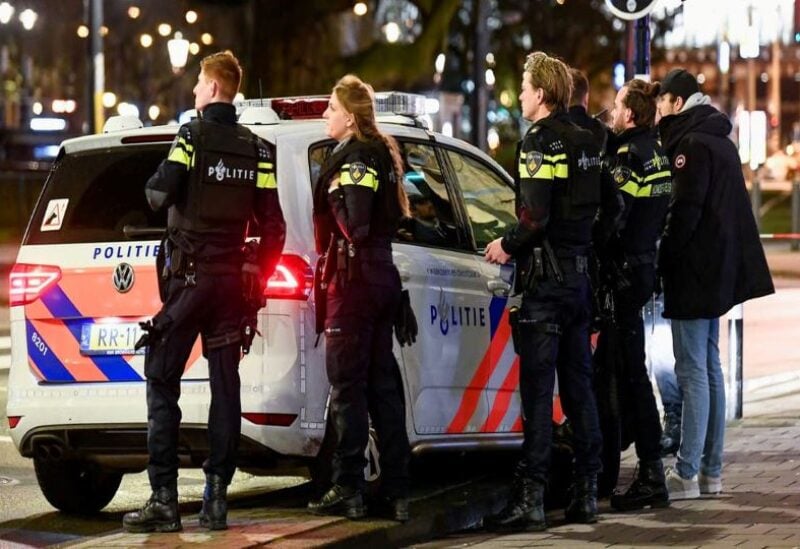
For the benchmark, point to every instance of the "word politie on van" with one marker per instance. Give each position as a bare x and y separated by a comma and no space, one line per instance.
452,316
125,251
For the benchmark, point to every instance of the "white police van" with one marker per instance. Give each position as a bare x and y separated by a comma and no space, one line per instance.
85,276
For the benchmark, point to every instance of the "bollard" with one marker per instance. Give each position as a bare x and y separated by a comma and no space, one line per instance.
796,211
735,346
755,198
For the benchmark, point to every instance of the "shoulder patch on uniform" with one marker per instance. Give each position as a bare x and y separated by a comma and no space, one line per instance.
533,161
680,161
357,171
621,175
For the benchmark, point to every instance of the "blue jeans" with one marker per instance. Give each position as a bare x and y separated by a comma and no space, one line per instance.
699,372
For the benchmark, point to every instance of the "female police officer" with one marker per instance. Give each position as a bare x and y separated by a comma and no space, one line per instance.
359,200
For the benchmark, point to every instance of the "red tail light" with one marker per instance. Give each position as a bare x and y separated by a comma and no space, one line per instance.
292,279
13,421
27,283
277,420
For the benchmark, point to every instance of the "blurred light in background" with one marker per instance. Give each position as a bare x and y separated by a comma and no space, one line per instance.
391,31
6,12
146,40
431,105
83,31
207,39
489,77
194,48
619,75
134,12
153,112
360,8
127,109
109,99
438,65
37,108
47,124
447,129
164,29
191,17
493,139
28,18
724,57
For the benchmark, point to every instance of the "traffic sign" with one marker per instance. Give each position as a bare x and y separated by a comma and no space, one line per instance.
631,10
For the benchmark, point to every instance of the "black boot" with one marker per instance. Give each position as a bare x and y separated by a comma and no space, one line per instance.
649,489
524,511
159,514
393,508
214,514
583,505
671,434
340,500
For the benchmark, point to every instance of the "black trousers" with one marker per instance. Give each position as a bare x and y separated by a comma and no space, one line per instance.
542,353
365,378
638,408
212,307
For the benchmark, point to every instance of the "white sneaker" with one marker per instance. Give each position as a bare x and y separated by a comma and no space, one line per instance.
681,488
709,485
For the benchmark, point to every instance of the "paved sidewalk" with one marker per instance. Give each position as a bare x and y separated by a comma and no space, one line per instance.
759,507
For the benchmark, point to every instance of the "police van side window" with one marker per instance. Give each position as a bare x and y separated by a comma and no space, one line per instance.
488,198
432,222
104,191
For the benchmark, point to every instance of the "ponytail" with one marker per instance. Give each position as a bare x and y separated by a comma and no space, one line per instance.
358,99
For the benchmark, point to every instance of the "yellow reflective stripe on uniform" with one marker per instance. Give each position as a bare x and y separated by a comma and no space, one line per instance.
369,179
266,181
265,166
645,191
182,153
545,171
631,188
659,175
555,158
623,149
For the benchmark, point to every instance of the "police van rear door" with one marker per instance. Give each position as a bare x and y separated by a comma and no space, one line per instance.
85,275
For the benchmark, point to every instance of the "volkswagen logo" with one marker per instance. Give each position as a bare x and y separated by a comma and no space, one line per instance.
123,278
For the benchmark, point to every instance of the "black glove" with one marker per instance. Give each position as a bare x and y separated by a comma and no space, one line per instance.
405,324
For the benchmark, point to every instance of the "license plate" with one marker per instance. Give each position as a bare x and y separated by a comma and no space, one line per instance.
111,339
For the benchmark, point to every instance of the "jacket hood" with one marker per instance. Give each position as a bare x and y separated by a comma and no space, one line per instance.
700,119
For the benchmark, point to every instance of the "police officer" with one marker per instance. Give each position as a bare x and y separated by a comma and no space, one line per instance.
217,177
359,200
640,169
558,186
579,102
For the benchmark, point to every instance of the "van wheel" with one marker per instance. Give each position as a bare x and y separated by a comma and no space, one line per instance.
74,486
321,468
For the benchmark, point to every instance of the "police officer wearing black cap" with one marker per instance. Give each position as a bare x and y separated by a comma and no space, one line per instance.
217,178
640,169
559,192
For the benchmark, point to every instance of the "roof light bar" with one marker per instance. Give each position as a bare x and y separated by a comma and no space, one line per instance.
312,106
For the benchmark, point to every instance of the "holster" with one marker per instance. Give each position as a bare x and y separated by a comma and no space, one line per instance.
530,270
513,320
163,267
321,279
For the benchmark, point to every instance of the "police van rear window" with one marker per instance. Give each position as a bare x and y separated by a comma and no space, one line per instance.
90,196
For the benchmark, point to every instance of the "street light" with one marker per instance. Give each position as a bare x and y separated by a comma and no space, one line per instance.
178,48
28,18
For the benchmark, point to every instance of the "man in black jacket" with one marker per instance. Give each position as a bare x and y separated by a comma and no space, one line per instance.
710,259
217,179
578,105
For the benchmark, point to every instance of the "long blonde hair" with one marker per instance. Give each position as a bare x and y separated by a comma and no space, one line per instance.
358,99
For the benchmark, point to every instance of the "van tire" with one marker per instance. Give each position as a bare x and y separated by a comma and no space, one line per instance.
75,486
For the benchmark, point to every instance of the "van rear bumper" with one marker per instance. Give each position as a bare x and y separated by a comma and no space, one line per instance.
124,447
